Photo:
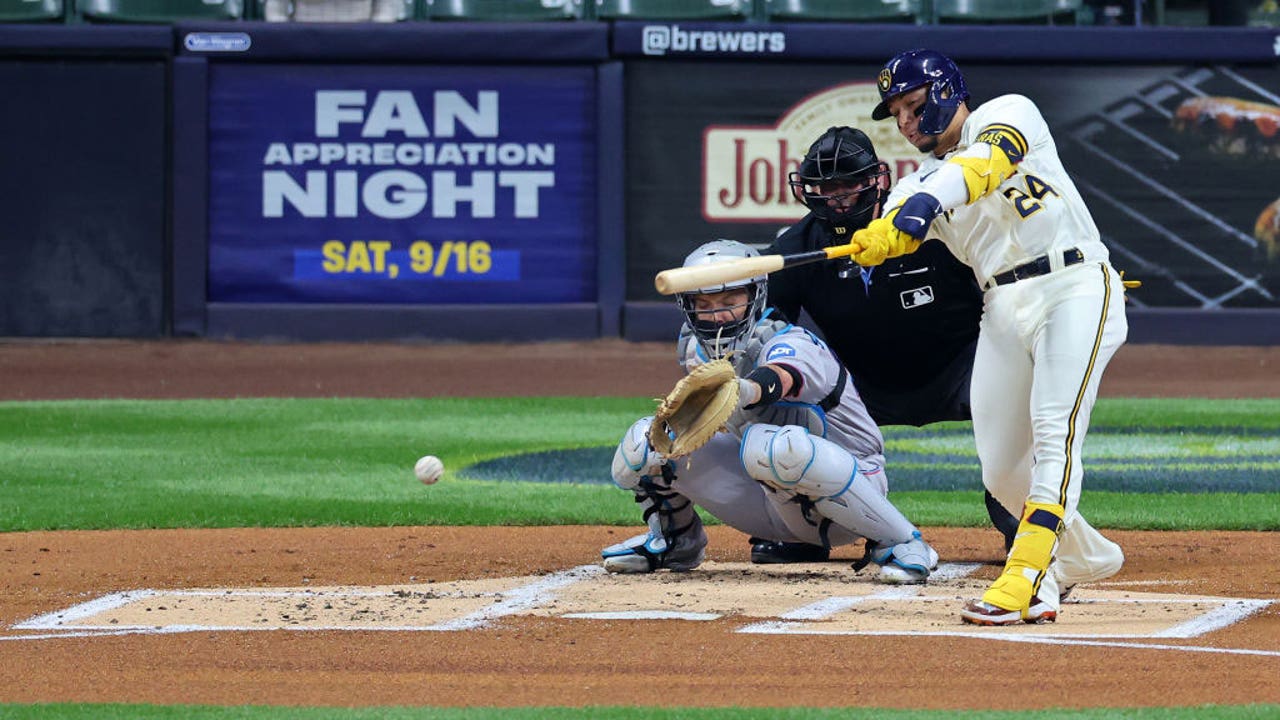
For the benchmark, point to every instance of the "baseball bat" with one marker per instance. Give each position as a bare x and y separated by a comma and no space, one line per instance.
684,279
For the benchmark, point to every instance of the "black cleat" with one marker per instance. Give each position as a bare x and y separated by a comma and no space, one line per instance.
764,552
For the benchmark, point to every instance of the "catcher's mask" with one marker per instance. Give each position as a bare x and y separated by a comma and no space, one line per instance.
841,180
718,338
909,70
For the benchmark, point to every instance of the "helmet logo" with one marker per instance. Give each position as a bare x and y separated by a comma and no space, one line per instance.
885,80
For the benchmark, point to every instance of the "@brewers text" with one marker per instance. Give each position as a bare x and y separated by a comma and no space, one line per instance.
662,39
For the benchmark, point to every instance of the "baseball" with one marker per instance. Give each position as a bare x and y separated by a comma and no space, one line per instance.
428,469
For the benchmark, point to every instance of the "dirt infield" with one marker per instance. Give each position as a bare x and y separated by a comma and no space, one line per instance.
517,616
194,369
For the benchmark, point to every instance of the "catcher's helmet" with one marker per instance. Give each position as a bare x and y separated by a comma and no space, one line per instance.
718,338
841,180
917,68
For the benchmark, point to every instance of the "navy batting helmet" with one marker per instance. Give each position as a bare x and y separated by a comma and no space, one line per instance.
917,68
840,179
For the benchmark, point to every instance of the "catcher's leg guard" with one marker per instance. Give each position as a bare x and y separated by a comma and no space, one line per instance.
791,459
1011,597
635,460
675,541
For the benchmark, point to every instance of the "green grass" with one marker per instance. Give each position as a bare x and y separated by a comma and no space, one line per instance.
264,462
1255,413
192,712
237,463
1180,511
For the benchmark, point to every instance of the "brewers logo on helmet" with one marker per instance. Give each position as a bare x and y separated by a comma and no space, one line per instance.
920,68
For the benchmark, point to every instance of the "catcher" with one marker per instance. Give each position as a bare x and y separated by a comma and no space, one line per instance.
767,434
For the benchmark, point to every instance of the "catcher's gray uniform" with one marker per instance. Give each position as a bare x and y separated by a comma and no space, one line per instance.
808,468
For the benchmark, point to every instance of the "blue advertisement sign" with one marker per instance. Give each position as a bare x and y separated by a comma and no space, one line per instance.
364,184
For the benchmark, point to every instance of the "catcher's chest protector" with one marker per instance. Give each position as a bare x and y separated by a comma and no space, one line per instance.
746,350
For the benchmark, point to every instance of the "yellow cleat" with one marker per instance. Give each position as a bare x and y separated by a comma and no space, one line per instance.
1012,594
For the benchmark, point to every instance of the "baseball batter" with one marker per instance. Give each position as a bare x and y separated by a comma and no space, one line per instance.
993,189
801,459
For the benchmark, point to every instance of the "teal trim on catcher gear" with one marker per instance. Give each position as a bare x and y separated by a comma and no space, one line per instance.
789,457
649,552
828,476
788,412
675,541
634,461
908,563
719,339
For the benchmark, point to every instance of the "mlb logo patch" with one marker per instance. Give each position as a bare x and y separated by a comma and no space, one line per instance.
916,297
780,351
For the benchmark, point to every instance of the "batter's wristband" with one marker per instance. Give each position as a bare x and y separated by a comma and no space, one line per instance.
770,386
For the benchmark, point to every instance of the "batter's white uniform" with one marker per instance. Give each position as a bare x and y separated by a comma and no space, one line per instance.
1045,339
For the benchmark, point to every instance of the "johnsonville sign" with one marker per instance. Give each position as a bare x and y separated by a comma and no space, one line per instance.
745,168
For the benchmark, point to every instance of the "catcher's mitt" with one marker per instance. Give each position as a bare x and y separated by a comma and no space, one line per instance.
695,409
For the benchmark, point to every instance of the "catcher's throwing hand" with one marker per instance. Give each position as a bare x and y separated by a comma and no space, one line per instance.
695,409
881,239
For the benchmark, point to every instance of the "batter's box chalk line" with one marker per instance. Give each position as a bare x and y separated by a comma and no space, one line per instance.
474,605
825,602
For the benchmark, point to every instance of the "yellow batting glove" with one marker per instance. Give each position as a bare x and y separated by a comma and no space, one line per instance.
901,243
875,246
881,239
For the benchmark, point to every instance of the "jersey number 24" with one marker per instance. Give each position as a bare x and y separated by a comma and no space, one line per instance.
1028,202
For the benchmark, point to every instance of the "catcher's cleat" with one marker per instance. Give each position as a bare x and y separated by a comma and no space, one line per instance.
649,552
630,563
977,612
767,552
894,575
907,563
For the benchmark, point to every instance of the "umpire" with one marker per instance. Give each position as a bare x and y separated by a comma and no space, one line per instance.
907,329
